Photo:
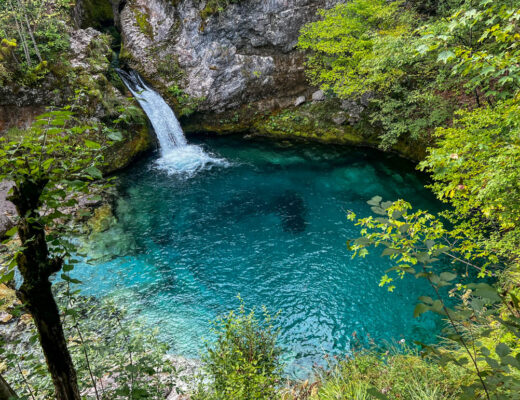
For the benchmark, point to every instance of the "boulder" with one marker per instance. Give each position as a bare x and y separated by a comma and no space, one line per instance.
5,317
299,101
339,118
318,95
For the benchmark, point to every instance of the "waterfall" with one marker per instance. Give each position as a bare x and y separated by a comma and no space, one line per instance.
177,156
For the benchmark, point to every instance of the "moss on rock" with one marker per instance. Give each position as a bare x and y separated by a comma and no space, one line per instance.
144,24
310,121
137,140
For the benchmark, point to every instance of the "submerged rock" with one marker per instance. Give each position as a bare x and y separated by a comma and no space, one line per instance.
291,208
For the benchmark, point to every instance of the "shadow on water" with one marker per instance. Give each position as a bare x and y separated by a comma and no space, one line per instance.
289,206
291,209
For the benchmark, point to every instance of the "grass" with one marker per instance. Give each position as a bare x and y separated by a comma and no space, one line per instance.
400,374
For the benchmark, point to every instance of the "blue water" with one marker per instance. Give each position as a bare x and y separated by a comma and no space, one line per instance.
271,226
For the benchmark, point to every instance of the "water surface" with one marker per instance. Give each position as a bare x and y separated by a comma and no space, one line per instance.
271,226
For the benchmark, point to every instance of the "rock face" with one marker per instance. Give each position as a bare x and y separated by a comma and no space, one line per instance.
103,99
243,54
7,210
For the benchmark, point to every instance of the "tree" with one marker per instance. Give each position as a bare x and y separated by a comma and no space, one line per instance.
244,361
475,167
6,392
40,36
485,322
479,42
368,49
48,163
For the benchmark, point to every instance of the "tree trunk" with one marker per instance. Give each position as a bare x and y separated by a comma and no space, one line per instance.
19,28
36,50
6,392
36,266
40,302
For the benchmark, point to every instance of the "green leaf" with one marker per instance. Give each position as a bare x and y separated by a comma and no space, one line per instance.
11,232
7,277
67,278
502,350
426,299
115,136
422,49
375,201
445,56
389,251
420,308
447,276
485,291
94,172
92,145
68,268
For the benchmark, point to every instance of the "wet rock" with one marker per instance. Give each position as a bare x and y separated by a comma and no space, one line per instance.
318,95
339,118
299,101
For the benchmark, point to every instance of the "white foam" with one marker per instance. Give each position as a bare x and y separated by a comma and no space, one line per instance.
188,160
177,156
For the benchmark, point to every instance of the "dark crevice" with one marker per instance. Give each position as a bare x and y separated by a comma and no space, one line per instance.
121,6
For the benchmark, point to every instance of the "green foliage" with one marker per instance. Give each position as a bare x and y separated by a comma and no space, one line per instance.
108,348
187,105
39,36
168,67
480,44
399,374
144,24
485,321
368,48
244,361
475,167
215,7
346,47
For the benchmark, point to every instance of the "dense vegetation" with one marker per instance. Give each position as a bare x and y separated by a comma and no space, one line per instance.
449,79
33,39
443,74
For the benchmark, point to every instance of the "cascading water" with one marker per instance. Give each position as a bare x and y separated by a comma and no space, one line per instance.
177,156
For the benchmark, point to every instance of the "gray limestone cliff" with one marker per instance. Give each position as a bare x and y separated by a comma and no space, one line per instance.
242,54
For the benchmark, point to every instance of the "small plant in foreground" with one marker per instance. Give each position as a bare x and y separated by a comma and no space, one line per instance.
244,360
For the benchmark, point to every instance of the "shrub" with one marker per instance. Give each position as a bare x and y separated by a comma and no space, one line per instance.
244,360
107,346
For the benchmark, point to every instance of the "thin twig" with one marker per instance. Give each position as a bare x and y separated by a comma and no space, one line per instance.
452,322
25,381
86,356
